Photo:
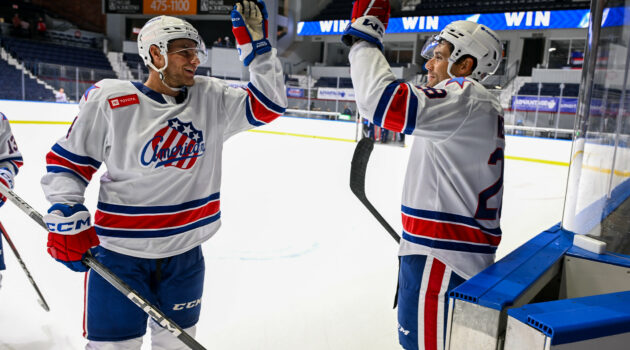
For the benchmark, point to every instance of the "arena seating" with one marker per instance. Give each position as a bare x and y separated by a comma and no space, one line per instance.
332,82
32,52
10,85
134,61
549,89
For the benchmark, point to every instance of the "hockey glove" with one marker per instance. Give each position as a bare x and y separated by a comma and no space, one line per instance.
369,22
250,28
70,234
6,179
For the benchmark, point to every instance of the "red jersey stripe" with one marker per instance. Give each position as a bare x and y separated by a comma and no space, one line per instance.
397,112
431,304
260,111
447,230
156,221
85,171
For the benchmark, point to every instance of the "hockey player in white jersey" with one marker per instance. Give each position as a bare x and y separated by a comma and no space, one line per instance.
161,142
451,203
10,163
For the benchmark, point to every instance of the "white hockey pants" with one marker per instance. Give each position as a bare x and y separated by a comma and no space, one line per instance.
161,339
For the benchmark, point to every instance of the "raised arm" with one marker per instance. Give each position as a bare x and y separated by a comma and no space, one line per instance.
265,97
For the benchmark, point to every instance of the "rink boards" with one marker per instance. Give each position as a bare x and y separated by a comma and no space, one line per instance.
539,150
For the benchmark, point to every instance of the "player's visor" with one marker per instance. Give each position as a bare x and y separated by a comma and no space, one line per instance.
429,47
189,52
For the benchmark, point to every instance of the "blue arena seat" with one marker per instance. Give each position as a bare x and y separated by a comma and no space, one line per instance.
11,89
34,51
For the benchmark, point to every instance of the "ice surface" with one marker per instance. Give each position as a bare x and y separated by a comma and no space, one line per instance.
298,264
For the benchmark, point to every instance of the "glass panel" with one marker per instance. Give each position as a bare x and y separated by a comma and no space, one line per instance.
599,178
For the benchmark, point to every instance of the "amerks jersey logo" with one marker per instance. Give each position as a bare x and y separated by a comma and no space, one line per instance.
178,144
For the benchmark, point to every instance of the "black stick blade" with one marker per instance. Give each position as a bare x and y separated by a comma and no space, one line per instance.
359,164
358,170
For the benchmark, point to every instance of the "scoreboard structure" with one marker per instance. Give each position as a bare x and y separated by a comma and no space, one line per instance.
168,7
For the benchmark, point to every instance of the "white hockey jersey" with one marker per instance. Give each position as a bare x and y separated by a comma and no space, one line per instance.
10,156
451,203
160,194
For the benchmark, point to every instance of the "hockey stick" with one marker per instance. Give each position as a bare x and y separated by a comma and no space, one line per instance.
89,261
358,169
41,299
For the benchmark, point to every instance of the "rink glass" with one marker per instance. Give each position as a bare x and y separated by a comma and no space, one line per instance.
599,177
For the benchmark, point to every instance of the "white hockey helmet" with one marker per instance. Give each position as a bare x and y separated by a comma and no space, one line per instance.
159,31
470,38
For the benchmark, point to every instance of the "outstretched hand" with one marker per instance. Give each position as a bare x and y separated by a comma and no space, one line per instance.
253,17
377,8
250,28
369,22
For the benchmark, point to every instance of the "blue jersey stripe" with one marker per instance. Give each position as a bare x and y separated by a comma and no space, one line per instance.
155,233
74,158
19,159
456,246
266,101
163,209
381,108
250,116
58,169
412,112
440,216
16,169
87,91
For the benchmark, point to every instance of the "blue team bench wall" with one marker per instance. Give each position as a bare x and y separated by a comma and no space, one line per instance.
579,319
500,285
503,285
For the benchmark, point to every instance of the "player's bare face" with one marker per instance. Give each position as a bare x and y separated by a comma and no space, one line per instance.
438,65
182,63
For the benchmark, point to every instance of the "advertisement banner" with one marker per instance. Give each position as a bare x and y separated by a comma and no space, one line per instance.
214,7
295,92
497,21
568,105
123,6
335,94
533,103
169,7
545,104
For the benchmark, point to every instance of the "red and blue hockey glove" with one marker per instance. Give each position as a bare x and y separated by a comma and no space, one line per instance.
369,22
6,179
70,234
250,28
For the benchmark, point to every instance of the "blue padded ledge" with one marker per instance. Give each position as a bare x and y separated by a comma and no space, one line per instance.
499,285
573,320
608,257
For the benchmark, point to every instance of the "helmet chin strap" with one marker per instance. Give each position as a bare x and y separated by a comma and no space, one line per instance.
161,72
448,69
